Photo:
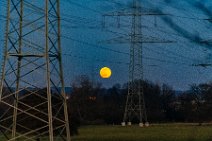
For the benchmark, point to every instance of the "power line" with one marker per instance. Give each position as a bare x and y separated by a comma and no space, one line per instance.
87,19
107,49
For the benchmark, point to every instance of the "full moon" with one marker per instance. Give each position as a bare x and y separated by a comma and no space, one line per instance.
105,72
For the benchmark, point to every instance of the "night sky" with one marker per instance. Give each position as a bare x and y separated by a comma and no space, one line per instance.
85,49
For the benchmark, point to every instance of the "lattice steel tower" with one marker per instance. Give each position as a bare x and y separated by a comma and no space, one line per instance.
135,105
135,109
32,97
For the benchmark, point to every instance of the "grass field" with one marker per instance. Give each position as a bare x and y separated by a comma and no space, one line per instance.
163,132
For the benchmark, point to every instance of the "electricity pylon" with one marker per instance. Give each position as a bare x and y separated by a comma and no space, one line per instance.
135,109
32,97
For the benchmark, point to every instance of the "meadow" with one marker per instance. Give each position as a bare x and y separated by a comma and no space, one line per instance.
161,132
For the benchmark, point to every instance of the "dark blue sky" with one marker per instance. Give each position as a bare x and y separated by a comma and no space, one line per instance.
83,39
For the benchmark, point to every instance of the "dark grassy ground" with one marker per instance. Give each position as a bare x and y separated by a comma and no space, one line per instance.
163,132
160,132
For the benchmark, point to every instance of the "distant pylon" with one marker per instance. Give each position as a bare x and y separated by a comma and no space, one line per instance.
32,93
135,108
135,105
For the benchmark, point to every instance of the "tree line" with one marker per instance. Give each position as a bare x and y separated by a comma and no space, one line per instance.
91,104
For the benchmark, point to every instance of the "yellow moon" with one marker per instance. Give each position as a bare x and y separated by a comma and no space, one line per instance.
105,72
